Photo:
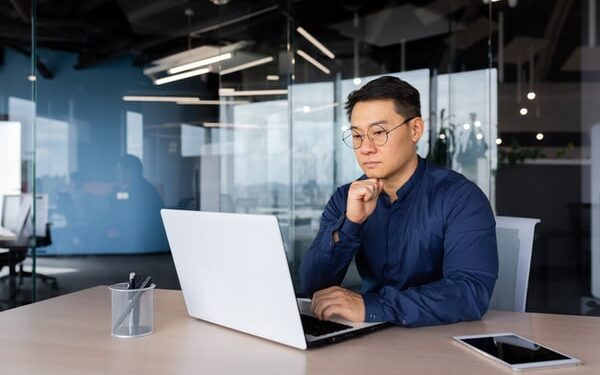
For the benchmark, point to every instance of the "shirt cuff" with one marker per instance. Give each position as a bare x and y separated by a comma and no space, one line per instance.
348,228
373,308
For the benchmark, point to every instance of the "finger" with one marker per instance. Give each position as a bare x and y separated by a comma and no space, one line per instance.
356,192
364,190
321,294
370,182
334,310
326,296
326,293
323,304
332,292
371,194
368,190
377,185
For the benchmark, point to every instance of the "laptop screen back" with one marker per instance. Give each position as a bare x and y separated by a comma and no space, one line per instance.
233,272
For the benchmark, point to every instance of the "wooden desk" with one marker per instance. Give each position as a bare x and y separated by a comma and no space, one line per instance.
71,335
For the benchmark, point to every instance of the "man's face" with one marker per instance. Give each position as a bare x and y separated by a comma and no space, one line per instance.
391,159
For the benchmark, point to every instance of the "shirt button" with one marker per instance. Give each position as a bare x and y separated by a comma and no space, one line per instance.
372,316
403,322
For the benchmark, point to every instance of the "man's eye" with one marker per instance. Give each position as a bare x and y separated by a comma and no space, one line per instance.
356,136
378,132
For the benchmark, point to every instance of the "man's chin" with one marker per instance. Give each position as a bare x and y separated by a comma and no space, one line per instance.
373,174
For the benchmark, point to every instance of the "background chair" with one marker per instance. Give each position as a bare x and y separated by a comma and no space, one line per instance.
42,236
515,237
15,212
16,217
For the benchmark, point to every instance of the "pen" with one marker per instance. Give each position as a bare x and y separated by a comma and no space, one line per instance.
132,309
146,282
131,286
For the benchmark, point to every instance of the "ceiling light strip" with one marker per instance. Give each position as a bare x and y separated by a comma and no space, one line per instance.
214,102
315,42
246,65
199,63
230,125
180,76
311,60
225,92
164,99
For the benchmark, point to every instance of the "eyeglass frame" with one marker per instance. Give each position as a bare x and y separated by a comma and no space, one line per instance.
387,132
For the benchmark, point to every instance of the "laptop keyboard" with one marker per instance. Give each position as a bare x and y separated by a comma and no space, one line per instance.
316,327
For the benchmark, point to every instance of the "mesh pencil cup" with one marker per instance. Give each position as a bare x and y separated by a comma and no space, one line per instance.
132,310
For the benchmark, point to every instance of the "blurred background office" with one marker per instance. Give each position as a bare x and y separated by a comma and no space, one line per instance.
113,109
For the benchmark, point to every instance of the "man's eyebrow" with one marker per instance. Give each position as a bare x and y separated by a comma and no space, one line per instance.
378,122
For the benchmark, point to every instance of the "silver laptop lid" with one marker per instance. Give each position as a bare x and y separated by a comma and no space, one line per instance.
233,272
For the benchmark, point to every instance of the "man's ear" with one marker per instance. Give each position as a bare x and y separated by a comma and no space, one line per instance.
417,127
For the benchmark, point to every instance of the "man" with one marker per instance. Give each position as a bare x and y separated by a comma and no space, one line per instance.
135,223
423,237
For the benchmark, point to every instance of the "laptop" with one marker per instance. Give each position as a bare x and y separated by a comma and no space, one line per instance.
234,272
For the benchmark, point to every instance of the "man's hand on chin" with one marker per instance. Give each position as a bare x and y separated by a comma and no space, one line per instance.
337,301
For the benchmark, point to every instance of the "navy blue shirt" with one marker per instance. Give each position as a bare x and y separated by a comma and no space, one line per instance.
428,258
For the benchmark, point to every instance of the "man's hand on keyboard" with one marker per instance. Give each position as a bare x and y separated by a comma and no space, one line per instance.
337,301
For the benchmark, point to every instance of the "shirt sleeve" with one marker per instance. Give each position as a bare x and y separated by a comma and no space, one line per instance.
470,269
326,261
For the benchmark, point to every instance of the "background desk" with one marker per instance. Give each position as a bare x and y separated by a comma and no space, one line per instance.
12,253
71,335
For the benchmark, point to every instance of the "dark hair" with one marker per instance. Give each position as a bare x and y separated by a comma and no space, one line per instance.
131,164
406,97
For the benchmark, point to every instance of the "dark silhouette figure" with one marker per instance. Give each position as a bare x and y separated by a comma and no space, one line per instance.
135,210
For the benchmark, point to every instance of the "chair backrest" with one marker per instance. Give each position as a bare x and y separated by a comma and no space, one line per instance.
41,215
11,207
16,214
515,247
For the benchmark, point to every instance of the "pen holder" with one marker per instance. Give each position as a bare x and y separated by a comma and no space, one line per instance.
132,310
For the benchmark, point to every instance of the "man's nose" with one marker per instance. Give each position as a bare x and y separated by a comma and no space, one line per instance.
367,146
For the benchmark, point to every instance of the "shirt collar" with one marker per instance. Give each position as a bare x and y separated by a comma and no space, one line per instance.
413,180
410,184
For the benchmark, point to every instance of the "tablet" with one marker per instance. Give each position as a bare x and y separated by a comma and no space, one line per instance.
517,352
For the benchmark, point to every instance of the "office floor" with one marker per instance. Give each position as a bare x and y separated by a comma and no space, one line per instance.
74,273
554,289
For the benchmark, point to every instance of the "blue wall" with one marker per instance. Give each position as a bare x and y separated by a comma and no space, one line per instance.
87,218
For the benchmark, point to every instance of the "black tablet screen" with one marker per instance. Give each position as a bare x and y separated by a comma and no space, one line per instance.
514,350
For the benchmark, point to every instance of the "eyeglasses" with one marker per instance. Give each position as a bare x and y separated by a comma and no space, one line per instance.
376,133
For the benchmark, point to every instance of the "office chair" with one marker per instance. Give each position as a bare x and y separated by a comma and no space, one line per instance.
515,236
16,214
43,237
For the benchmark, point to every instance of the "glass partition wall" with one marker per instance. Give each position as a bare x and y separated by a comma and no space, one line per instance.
228,106
548,78
18,161
238,106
